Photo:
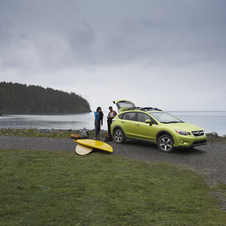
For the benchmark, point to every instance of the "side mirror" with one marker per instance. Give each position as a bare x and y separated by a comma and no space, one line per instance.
148,121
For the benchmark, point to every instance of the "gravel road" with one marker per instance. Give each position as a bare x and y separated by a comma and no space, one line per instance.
209,160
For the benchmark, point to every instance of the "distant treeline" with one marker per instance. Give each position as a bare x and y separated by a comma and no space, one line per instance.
19,98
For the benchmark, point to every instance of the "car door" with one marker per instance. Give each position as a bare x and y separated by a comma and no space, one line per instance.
145,130
128,123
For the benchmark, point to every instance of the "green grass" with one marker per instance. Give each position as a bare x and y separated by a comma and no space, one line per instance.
36,133
63,188
44,133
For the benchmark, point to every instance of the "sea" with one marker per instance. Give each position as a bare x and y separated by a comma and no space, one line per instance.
210,121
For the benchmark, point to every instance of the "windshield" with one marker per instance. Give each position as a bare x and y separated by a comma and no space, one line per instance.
165,117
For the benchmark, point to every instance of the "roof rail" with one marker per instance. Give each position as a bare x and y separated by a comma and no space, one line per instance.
142,109
133,108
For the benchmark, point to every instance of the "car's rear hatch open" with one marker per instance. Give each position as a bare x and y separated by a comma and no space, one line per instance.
123,105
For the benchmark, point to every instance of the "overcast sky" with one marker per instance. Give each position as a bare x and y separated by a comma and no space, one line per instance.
169,54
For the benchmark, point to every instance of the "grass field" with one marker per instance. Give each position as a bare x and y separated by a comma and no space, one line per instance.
62,188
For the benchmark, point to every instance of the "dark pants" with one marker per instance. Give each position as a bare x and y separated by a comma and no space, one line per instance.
97,129
109,127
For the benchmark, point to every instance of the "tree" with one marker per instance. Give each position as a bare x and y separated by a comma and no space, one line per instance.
19,98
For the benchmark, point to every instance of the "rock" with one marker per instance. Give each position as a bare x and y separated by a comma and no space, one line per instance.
84,134
212,135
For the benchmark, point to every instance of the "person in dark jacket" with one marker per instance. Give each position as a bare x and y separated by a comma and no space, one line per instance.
111,115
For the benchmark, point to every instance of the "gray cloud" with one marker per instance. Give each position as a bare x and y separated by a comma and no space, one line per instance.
167,51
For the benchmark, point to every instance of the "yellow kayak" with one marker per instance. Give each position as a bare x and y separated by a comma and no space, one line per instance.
95,144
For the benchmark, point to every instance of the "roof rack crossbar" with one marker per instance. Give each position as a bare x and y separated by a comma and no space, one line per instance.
150,109
143,109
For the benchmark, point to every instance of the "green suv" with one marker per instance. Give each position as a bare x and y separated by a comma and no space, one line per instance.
155,125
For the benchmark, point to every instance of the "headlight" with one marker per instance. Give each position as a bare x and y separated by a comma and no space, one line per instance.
181,132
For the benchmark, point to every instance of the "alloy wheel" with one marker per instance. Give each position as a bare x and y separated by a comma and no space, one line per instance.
119,136
165,143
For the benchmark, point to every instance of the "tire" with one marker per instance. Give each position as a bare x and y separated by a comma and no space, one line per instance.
119,136
165,143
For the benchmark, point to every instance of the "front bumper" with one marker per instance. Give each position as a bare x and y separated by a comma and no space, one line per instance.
190,141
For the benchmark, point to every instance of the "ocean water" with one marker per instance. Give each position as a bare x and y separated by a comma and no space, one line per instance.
210,121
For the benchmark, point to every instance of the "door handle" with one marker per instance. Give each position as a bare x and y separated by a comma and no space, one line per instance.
137,124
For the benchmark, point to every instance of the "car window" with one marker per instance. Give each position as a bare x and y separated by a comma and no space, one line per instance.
125,104
121,116
142,117
130,116
165,117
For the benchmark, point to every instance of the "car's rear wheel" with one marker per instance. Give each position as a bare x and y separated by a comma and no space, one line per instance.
165,143
119,136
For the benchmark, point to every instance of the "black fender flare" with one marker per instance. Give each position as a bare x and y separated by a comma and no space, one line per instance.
163,132
118,127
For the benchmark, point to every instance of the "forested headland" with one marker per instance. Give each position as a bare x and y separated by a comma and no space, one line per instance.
20,98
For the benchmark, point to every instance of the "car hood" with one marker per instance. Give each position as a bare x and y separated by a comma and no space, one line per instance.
185,126
123,104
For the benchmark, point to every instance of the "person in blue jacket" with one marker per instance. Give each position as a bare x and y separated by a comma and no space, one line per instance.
98,122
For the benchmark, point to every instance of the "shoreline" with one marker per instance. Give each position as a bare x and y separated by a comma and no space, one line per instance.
64,133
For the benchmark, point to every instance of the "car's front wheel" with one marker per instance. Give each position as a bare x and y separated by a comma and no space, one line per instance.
119,136
165,143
